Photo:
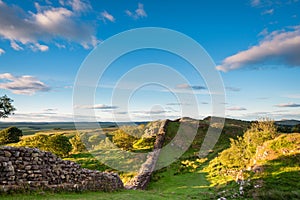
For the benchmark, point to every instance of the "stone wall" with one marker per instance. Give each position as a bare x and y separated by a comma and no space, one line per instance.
142,179
24,169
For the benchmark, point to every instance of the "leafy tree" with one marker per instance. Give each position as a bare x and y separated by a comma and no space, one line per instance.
77,144
10,135
123,140
59,145
6,107
258,133
296,129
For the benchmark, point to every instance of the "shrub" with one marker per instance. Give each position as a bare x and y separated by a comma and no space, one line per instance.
123,140
77,145
59,145
241,151
10,135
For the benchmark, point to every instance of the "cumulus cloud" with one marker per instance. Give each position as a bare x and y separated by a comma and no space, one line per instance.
236,108
2,51
194,87
107,16
288,105
138,13
25,85
30,29
277,47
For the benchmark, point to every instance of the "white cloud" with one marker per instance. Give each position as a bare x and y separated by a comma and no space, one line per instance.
25,28
288,105
268,12
255,3
138,13
264,32
293,96
2,51
39,47
236,108
15,46
25,85
233,89
78,5
194,87
107,16
97,106
277,47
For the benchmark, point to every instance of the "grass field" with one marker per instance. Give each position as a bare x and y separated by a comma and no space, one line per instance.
185,179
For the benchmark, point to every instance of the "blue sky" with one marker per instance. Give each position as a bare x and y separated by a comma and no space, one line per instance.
255,45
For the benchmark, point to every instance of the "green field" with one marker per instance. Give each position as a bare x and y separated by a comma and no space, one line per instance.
186,178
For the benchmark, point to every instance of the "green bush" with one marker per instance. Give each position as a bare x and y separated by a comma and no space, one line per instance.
144,143
10,135
59,145
238,156
123,140
77,144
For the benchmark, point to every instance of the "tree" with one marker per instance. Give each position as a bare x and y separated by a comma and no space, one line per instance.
6,107
123,140
296,129
10,135
77,144
59,145
258,133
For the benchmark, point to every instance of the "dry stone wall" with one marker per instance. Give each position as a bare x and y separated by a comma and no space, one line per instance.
142,179
31,169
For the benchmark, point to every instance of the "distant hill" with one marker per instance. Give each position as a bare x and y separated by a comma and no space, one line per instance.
288,122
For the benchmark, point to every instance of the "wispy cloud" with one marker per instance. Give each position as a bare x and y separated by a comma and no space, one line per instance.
138,13
288,105
106,16
277,47
194,87
236,108
2,51
97,107
177,104
26,28
79,5
268,12
255,3
233,89
293,96
25,85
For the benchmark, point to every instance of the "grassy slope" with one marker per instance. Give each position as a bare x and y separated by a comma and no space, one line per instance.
181,181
